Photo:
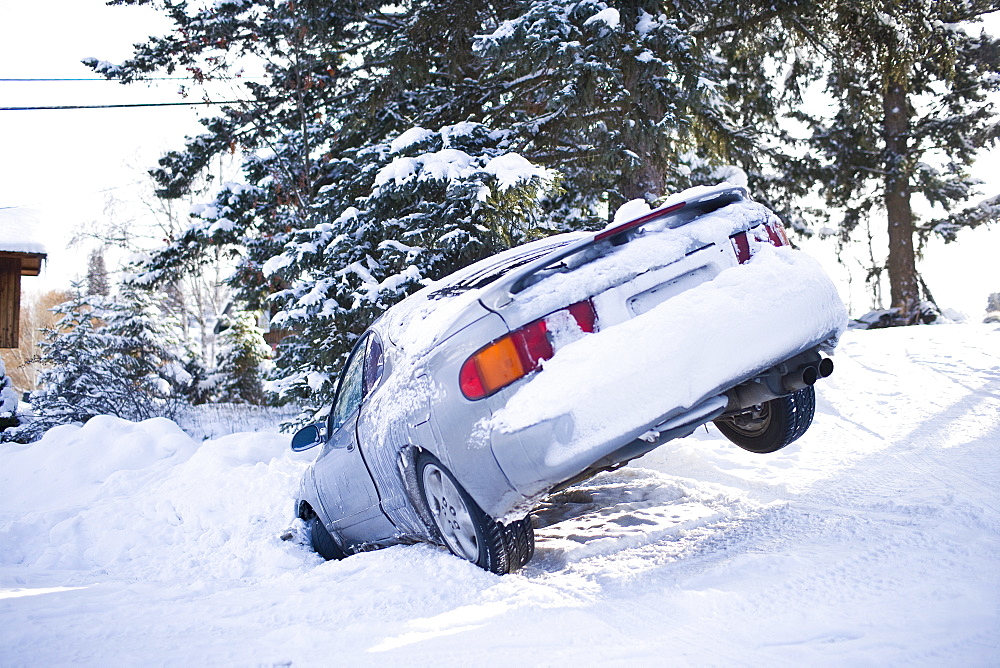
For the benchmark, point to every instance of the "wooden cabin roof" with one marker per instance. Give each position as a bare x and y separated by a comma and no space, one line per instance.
31,263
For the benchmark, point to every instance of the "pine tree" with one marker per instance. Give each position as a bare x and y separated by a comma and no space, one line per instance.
243,362
97,275
910,87
290,127
435,201
65,392
108,356
616,97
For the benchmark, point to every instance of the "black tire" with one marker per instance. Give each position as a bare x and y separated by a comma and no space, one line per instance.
772,425
465,529
322,542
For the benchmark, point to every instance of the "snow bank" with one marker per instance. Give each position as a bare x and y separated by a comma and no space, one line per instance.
870,541
112,495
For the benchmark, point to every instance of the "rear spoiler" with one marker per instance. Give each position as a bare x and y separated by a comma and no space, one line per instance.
676,214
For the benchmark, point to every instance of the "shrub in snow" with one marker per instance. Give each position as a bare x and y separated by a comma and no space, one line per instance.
109,356
8,400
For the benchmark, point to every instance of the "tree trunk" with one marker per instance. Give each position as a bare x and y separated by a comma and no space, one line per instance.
902,265
647,181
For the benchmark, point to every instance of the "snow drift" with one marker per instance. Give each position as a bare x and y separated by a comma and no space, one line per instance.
872,540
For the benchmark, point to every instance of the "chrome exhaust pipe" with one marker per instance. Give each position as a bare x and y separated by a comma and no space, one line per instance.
802,377
807,375
779,381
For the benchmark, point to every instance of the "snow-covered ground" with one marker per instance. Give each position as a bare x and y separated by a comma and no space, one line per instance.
874,540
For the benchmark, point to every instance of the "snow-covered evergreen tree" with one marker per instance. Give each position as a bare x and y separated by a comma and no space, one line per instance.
97,274
292,127
614,95
434,201
108,356
244,361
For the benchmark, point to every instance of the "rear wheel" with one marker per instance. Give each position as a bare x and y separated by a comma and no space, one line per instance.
466,530
773,424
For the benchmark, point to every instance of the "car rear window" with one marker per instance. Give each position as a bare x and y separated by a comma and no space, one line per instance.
492,272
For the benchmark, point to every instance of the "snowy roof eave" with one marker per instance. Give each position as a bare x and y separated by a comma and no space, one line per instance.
31,260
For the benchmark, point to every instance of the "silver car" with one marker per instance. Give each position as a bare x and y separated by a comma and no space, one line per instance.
466,404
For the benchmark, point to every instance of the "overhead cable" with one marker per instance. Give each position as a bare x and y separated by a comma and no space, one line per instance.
24,79
121,106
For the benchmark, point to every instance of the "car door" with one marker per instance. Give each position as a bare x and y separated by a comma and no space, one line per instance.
346,489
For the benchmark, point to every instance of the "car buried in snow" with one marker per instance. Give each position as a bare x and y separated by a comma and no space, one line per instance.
468,402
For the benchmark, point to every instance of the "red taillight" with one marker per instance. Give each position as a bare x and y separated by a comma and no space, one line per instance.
532,344
741,244
772,233
585,316
515,355
776,234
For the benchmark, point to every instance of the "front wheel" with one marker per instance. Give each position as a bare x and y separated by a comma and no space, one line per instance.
466,530
773,424
322,542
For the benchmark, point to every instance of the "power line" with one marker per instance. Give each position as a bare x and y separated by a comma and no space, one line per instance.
122,106
138,80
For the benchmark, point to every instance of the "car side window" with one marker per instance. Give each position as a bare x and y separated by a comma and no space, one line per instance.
351,389
374,363
364,370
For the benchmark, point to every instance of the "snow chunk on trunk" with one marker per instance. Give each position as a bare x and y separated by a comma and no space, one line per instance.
626,377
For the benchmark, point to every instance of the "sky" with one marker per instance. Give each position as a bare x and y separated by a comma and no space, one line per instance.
60,169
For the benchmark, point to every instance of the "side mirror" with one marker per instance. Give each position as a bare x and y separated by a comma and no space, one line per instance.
307,437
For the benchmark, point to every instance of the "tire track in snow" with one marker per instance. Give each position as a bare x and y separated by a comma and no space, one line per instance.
898,533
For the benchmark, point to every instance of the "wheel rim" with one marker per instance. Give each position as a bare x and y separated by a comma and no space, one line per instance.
450,513
753,422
